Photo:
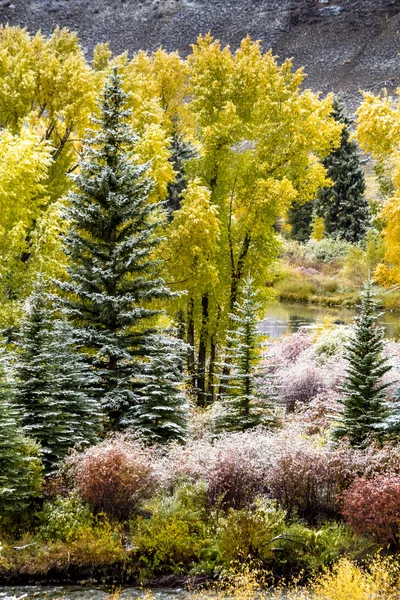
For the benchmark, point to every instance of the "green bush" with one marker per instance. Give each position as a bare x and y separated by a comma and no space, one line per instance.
266,540
65,519
175,536
326,250
248,536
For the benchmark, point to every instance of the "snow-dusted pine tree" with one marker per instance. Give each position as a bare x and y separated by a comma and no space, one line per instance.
20,468
110,242
53,385
365,409
243,406
161,414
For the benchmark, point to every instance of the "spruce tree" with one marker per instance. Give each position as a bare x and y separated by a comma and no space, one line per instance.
181,152
365,409
243,406
300,216
20,468
110,243
53,385
160,415
344,207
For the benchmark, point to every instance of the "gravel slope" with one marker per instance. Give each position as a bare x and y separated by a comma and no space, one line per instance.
344,45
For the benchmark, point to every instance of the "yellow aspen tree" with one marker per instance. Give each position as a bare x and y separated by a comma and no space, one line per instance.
260,141
378,132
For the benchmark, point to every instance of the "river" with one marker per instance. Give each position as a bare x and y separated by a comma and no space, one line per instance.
81,593
285,317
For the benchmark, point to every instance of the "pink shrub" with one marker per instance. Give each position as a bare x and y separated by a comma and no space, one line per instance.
372,506
316,416
234,480
306,481
290,347
299,383
114,476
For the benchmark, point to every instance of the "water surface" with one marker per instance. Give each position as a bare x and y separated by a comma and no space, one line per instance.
286,317
83,593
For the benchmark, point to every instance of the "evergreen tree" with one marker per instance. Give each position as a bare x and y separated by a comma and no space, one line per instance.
300,216
242,405
364,404
53,385
20,468
161,413
344,206
110,242
181,152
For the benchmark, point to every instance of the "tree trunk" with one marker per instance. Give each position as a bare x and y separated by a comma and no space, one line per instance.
201,363
190,342
211,369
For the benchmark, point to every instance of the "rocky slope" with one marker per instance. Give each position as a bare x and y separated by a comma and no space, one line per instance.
344,45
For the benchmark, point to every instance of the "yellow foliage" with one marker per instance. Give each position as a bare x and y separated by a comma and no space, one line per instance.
378,132
261,140
24,161
153,146
191,242
348,581
318,229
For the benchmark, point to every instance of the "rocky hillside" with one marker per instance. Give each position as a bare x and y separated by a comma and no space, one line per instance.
344,45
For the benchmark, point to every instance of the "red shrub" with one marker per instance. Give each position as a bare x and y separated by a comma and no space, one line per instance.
372,506
114,476
234,480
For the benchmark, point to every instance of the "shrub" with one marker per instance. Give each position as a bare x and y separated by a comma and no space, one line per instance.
114,476
65,519
372,506
327,250
266,540
172,540
348,581
234,480
306,481
248,536
331,342
299,383
290,347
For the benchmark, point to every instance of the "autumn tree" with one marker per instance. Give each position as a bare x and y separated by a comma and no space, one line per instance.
260,140
378,132
46,95
111,238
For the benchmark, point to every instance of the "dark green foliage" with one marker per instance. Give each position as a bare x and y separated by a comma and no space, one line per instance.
364,400
53,385
300,218
344,206
161,413
20,468
242,405
181,152
110,240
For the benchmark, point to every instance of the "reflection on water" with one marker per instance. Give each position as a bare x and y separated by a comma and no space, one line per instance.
81,593
285,317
